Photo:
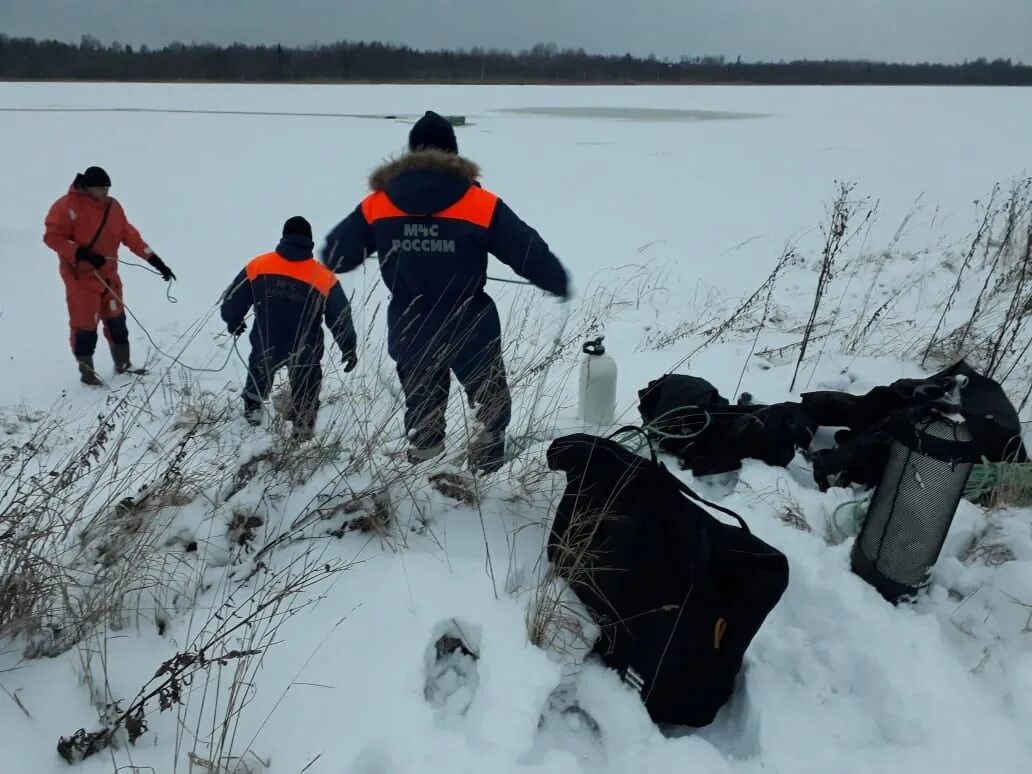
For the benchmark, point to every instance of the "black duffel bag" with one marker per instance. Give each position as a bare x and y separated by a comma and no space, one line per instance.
679,595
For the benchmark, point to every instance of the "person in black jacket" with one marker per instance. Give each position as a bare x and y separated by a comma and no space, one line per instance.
432,225
292,295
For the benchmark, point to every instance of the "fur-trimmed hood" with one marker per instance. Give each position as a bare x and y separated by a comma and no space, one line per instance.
423,160
425,181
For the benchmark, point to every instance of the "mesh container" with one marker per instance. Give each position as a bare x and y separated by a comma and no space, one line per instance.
914,504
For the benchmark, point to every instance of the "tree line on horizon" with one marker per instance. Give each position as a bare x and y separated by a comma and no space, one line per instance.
32,59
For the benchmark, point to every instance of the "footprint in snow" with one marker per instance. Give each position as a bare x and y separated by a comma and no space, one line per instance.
451,668
564,713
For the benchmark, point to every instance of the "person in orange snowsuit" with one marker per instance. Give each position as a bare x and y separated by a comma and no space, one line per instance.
85,227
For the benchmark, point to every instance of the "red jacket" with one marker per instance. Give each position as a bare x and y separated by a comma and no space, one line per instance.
73,220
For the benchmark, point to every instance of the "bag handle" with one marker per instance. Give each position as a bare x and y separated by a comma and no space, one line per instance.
683,487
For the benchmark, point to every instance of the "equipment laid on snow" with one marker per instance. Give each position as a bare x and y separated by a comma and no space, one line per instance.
678,594
928,463
694,422
597,397
690,419
862,449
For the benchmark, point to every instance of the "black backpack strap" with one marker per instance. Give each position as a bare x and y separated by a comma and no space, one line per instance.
685,489
100,228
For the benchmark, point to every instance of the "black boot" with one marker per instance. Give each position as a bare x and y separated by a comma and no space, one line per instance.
303,421
303,431
420,454
252,411
86,373
487,452
120,354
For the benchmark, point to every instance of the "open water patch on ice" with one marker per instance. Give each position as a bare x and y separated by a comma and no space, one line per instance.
619,113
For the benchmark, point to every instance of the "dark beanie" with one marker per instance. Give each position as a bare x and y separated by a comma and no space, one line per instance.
297,225
93,177
433,131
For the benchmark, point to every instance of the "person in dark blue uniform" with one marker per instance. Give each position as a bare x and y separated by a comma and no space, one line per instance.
292,295
432,226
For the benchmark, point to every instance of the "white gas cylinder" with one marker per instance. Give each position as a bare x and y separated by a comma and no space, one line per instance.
597,399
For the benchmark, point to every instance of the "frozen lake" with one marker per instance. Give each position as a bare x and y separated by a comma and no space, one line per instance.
610,176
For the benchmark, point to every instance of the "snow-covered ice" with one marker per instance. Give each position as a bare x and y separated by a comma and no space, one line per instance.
667,222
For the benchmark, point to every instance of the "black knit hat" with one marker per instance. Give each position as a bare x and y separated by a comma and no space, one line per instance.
299,226
93,177
433,131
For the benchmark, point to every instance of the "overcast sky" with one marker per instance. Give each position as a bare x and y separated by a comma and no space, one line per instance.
903,30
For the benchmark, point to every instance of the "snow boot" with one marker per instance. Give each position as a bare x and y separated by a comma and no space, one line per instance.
487,452
418,454
303,431
87,375
120,354
252,412
302,418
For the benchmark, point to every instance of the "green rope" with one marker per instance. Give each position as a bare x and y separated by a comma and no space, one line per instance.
856,517
1013,478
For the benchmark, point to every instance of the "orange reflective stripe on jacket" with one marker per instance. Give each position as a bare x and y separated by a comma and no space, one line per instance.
477,206
310,271
377,205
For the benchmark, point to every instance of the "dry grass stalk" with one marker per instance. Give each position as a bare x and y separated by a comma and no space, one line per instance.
836,238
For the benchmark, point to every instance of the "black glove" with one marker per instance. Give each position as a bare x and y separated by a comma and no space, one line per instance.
350,361
239,329
157,263
85,254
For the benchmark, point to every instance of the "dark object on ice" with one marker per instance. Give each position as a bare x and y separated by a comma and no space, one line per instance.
679,595
694,422
861,454
925,471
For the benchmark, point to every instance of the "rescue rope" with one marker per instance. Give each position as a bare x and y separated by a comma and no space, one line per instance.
168,290
1013,477
650,429
856,517
520,442
509,281
235,350
174,358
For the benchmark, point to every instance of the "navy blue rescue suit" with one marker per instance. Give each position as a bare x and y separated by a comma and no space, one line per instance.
432,226
292,295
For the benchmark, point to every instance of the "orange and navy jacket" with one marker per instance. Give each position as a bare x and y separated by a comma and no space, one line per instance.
432,226
292,295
